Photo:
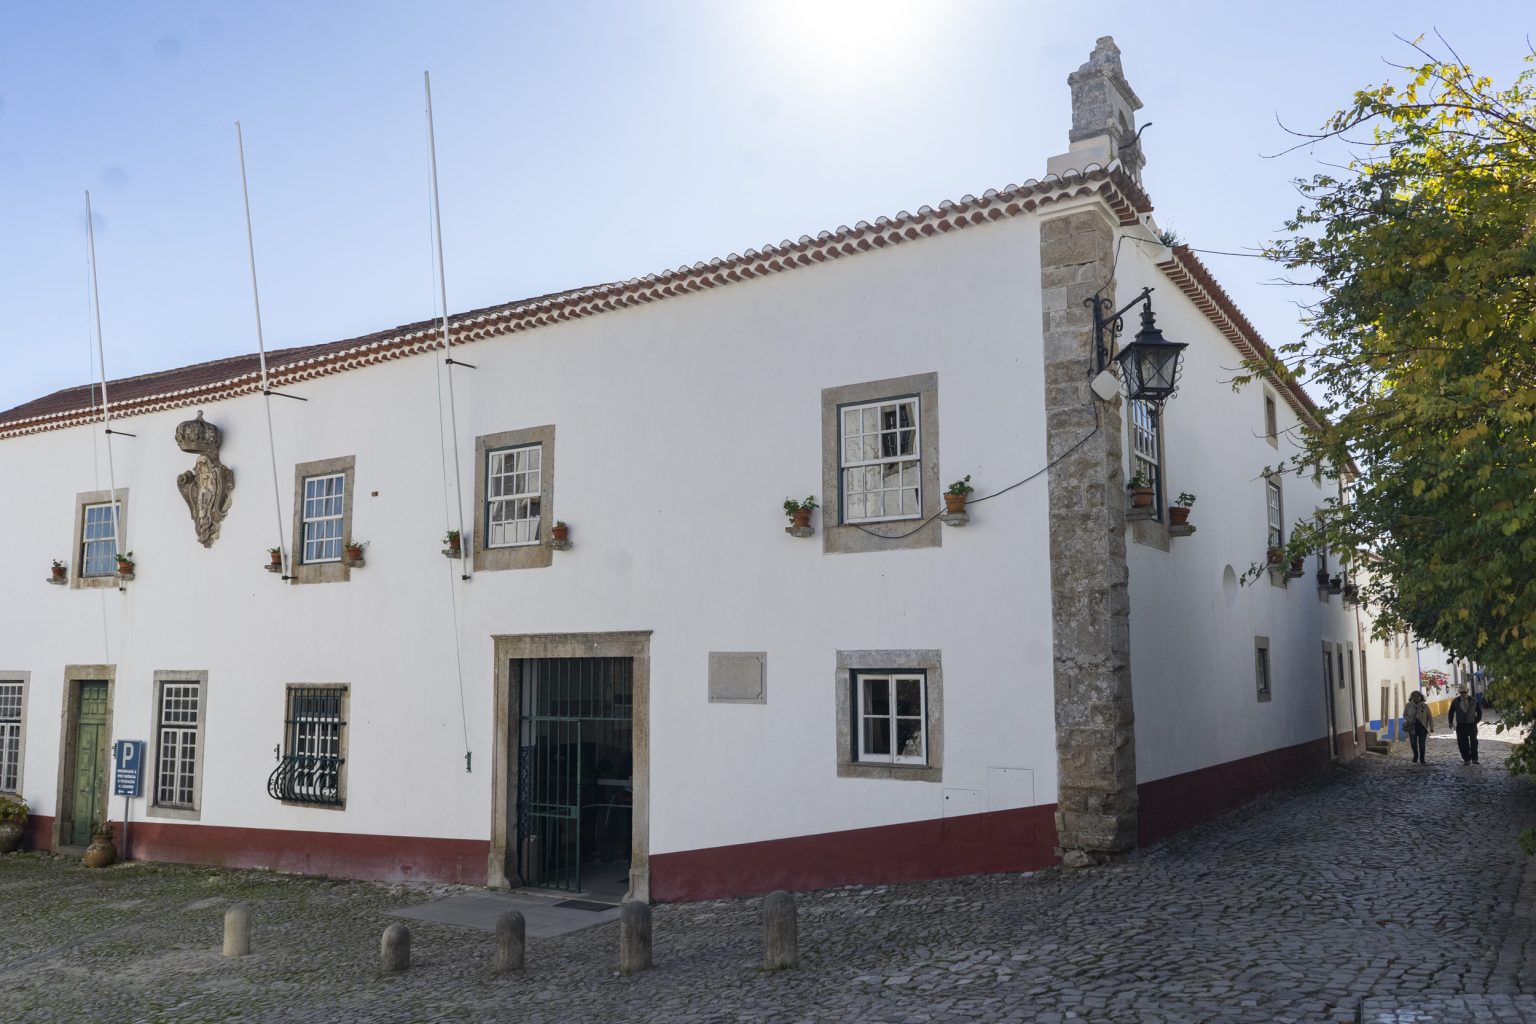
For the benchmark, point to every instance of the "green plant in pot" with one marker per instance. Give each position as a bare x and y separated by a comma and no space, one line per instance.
799,512
13,821
1178,512
1141,489
957,494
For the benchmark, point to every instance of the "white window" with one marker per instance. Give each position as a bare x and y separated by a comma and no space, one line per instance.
880,461
1146,445
180,710
1276,517
324,517
892,719
514,486
12,698
98,539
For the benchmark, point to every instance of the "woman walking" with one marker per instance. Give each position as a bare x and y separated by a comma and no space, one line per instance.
1416,720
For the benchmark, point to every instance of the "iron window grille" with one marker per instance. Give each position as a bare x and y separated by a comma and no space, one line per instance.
310,770
514,486
98,544
176,768
881,462
324,517
10,736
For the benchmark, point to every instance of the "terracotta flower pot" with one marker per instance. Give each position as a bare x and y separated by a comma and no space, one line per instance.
954,504
1178,515
1141,497
58,572
354,554
276,556
801,518
100,854
10,836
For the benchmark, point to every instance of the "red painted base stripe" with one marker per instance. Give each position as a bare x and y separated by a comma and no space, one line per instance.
1171,805
1017,840
339,855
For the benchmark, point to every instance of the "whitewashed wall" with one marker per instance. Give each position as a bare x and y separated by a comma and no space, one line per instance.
680,428
1192,624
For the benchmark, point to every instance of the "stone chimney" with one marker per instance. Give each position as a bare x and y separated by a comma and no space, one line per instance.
1103,115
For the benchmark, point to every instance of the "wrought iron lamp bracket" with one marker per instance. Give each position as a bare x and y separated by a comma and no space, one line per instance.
1109,324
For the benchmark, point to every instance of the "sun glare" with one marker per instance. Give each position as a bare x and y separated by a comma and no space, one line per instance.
850,42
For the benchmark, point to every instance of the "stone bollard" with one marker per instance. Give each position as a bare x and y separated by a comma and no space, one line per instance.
634,936
395,948
237,930
781,940
511,940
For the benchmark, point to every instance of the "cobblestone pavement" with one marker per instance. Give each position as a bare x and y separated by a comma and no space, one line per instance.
1387,883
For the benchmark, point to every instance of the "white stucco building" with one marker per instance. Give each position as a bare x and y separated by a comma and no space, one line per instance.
686,697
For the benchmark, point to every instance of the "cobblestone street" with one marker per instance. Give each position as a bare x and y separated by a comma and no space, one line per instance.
1388,884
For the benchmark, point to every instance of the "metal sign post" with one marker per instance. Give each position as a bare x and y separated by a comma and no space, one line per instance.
127,777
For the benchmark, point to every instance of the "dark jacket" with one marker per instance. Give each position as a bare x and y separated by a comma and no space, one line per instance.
1465,713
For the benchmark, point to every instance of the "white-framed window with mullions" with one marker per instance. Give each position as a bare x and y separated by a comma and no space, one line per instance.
892,724
1147,450
324,518
98,538
13,721
514,496
177,730
880,461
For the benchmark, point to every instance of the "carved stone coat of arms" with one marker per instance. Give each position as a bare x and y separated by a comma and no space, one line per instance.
209,485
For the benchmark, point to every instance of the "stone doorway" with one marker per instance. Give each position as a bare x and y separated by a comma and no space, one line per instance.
85,742
583,762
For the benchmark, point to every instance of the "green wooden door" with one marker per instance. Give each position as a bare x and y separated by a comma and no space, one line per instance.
90,764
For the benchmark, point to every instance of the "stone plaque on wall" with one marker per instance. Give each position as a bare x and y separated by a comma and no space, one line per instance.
738,677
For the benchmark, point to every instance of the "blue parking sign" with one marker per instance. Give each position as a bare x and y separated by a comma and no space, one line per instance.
128,760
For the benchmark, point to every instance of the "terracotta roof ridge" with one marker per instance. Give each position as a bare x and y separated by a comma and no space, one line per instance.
194,384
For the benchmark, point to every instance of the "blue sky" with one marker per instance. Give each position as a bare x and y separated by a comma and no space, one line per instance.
581,142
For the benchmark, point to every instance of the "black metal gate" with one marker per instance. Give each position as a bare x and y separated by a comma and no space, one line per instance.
574,768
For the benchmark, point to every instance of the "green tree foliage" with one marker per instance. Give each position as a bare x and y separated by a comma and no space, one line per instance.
1424,344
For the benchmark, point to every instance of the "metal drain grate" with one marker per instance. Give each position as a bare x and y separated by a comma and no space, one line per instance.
585,905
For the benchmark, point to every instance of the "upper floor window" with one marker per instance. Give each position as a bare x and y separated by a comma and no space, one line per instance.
324,517
514,492
1146,450
515,499
1276,514
1271,420
98,538
881,461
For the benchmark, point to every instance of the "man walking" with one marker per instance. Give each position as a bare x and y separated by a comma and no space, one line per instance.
1465,714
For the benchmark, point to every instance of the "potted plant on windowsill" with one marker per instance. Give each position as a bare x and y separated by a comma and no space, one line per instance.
957,495
103,849
125,565
560,533
455,545
1141,490
59,573
1336,585
799,513
1298,567
1178,512
274,559
352,553
13,822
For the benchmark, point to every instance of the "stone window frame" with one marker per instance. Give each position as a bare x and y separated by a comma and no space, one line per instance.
841,538
927,662
520,556
152,806
343,740
1263,670
24,680
322,572
1271,418
77,578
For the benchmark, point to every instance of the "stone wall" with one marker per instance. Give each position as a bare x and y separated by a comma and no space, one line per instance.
1095,720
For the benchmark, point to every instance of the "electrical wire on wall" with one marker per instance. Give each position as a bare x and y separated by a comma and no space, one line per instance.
119,535
448,440
90,360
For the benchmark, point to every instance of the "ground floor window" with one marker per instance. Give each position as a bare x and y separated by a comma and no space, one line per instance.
313,766
892,725
12,696
180,708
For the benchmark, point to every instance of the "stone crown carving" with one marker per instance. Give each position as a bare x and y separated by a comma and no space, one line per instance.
199,437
